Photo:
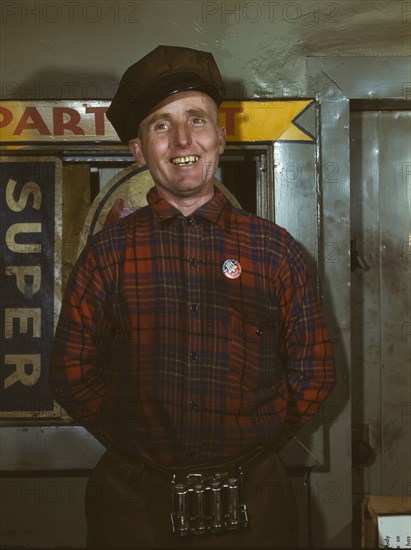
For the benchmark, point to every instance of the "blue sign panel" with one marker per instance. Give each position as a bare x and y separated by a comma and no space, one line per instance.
29,189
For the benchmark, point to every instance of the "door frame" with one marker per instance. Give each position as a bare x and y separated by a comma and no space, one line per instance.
334,82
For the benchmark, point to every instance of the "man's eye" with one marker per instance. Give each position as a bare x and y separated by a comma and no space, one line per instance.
161,126
197,121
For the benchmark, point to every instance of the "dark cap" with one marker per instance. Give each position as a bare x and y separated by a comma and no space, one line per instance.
162,72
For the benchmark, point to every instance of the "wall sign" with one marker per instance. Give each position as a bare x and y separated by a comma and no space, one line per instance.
251,121
29,292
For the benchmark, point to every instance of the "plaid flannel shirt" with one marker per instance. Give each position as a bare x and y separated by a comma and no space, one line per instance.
162,356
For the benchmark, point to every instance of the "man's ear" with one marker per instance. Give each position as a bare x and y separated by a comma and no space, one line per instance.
222,138
135,148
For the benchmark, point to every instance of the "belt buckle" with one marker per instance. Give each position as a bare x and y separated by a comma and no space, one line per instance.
201,507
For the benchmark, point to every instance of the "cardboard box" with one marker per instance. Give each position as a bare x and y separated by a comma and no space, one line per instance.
386,522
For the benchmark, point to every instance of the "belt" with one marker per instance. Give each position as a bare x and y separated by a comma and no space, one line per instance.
246,462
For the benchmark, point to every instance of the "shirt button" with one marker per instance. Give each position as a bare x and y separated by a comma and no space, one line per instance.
188,220
259,332
194,308
194,355
192,405
193,261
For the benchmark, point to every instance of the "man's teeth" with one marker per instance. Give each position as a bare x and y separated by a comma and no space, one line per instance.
185,160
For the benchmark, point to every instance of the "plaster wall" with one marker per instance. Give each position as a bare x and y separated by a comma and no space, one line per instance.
70,49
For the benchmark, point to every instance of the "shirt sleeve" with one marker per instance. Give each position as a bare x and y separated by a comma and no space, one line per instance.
306,348
78,361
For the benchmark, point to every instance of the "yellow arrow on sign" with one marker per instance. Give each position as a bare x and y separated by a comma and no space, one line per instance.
264,120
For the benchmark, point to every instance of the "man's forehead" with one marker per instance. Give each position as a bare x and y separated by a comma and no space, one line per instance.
189,103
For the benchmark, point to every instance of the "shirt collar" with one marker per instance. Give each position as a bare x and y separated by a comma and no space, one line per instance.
213,210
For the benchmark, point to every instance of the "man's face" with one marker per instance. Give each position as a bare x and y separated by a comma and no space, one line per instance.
180,141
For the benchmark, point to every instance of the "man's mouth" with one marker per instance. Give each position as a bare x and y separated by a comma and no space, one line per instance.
184,160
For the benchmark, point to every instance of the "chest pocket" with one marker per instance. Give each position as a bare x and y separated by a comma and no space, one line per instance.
254,355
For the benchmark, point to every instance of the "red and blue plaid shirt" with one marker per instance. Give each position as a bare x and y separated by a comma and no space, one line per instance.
161,355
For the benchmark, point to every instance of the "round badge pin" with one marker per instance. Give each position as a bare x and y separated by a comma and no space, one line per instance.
231,268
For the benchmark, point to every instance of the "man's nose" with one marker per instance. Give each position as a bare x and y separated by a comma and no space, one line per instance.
182,135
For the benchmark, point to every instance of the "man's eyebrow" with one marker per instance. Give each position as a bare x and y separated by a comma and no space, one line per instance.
198,112
164,115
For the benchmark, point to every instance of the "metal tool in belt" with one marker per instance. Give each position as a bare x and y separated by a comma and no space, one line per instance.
201,507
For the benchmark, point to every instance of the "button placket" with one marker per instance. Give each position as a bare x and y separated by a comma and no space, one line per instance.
193,252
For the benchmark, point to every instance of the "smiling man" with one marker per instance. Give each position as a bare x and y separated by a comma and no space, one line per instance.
190,341
181,142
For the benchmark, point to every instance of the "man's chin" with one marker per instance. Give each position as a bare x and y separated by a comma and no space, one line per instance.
186,189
